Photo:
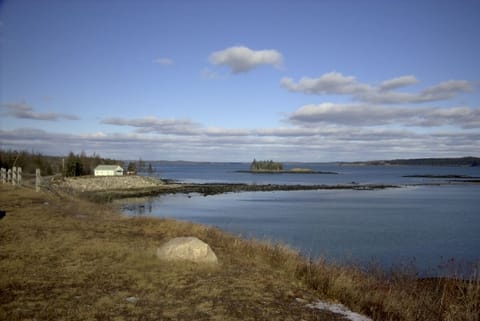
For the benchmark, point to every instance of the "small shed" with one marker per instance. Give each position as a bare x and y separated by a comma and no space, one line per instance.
108,170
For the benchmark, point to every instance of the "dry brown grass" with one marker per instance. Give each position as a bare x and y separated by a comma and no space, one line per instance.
63,258
67,259
397,296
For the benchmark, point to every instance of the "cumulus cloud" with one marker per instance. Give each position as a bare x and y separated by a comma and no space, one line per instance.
335,83
163,61
375,115
23,111
243,59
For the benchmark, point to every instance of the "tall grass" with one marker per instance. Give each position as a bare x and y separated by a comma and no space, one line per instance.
394,296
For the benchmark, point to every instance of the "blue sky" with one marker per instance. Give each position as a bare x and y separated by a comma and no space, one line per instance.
234,80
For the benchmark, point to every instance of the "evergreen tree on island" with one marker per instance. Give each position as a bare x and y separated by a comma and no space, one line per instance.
265,166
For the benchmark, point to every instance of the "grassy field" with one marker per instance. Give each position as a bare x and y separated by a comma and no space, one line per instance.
63,258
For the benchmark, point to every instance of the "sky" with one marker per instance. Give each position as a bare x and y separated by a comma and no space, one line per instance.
237,80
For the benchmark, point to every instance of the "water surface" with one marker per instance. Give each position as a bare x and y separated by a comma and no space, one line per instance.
424,224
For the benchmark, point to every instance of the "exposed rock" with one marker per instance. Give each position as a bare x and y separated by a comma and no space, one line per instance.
131,299
187,249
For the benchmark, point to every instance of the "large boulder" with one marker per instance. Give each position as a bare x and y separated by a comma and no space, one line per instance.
187,249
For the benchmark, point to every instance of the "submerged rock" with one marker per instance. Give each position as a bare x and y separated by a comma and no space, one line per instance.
187,249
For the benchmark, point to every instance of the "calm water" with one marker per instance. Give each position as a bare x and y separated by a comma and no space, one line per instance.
227,173
425,224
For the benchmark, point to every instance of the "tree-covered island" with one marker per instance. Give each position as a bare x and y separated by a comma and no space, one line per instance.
271,167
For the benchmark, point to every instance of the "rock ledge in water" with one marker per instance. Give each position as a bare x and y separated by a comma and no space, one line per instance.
187,249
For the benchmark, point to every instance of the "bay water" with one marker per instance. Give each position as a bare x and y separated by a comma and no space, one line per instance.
432,224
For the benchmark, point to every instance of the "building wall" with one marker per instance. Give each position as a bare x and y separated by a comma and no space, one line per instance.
109,172
104,173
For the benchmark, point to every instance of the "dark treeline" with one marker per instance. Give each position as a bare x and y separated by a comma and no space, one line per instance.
71,165
81,164
265,166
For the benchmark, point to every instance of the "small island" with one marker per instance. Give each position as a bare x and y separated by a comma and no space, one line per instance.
271,167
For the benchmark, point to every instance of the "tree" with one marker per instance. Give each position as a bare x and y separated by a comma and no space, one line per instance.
132,167
269,165
73,165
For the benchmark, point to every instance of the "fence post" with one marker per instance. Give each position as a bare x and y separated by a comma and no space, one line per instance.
19,175
9,176
14,175
38,177
4,175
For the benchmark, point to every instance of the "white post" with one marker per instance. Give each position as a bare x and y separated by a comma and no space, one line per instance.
4,175
14,175
9,176
19,175
38,177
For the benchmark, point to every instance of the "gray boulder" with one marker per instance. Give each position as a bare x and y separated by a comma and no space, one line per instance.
187,249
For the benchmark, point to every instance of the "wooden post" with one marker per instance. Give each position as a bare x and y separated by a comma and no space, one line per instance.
38,177
3,175
14,175
19,176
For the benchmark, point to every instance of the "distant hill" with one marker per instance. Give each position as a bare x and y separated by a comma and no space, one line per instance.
460,161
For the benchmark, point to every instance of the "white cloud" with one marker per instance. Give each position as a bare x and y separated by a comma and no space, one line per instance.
323,132
375,115
321,143
394,83
335,83
23,111
329,83
242,59
156,125
163,61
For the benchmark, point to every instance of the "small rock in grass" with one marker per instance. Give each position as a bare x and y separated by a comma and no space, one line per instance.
131,299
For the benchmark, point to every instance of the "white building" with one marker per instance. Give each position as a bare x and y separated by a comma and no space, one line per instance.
108,170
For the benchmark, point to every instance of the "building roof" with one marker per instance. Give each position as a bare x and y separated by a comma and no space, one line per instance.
108,167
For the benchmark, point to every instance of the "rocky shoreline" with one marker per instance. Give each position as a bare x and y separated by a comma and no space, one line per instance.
109,188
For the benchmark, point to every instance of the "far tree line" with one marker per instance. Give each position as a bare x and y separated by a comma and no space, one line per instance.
71,165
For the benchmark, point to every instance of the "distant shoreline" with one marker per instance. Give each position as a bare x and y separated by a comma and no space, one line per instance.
442,176
468,161
290,171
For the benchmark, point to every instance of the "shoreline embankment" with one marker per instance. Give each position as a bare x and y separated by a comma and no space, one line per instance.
108,188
